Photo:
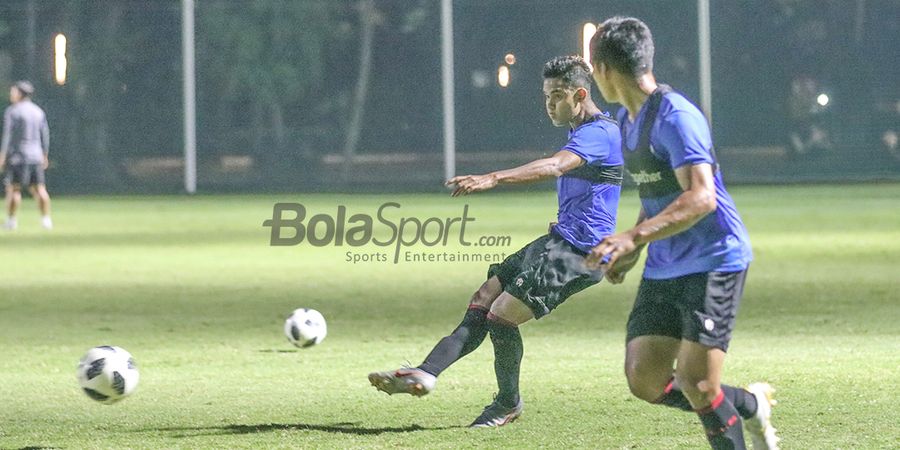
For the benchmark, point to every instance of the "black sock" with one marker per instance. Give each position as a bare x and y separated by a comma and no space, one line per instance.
507,360
722,424
463,340
744,402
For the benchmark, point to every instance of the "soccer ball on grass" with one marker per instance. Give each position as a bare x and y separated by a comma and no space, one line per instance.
107,374
305,327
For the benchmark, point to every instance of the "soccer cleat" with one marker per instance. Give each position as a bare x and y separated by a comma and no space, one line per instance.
759,427
497,415
11,224
46,223
407,380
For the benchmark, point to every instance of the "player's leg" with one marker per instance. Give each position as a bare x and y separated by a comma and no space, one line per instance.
465,338
551,271
699,372
708,305
744,400
507,313
645,365
653,338
13,200
648,367
39,191
469,334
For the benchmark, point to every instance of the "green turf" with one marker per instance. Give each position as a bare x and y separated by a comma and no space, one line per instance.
191,287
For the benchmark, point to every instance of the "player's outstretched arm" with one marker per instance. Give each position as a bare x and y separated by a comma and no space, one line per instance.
552,167
697,200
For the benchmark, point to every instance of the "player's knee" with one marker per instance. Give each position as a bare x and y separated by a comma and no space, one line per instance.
484,296
644,390
644,387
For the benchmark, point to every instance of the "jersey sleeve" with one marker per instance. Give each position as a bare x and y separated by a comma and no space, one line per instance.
685,137
590,143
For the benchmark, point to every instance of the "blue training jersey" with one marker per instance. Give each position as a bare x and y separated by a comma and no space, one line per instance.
717,243
587,207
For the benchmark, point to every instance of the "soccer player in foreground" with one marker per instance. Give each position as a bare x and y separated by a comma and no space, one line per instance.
540,276
23,152
698,251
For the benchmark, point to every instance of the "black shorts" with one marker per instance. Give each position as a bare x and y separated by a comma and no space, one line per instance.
24,174
544,273
700,307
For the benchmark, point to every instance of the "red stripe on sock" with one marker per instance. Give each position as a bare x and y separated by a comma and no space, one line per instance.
496,319
718,400
732,420
670,386
712,406
666,391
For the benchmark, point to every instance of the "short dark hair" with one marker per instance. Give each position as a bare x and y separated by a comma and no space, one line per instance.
624,44
25,88
572,70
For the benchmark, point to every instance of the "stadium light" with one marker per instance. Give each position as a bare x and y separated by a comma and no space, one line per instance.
60,66
503,76
587,33
510,58
823,99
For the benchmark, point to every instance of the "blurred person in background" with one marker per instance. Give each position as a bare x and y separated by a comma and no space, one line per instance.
888,126
24,153
807,107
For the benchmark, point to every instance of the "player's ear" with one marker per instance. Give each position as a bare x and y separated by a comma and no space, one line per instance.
580,94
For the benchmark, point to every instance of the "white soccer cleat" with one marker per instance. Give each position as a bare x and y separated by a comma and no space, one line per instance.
46,223
11,224
412,381
759,427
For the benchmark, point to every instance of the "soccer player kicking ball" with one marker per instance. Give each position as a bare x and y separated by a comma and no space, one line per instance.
540,276
699,251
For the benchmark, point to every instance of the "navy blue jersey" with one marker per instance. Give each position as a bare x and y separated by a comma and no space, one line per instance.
589,195
680,136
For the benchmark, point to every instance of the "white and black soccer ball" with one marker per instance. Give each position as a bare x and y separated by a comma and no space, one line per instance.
305,327
107,374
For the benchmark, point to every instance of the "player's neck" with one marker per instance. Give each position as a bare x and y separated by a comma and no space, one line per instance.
588,110
635,94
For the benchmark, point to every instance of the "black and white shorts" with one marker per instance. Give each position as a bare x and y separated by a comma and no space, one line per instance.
700,307
544,273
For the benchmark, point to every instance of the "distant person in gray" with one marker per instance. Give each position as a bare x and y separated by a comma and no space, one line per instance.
24,153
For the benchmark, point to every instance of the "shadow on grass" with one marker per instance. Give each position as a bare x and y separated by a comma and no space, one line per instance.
337,428
33,447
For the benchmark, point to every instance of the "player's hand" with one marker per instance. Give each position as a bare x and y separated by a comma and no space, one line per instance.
616,273
550,227
467,184
46,163
615,247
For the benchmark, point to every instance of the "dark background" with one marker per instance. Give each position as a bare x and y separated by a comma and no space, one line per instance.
276,83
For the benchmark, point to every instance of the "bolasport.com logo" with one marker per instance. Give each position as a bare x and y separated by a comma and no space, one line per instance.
387,227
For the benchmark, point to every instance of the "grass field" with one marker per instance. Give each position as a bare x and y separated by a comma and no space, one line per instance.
191,287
